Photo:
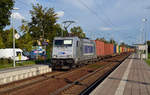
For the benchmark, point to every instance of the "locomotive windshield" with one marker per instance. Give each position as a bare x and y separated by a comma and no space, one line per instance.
63,42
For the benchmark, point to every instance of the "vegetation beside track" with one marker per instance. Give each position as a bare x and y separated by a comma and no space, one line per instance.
94,66
148,60
7,63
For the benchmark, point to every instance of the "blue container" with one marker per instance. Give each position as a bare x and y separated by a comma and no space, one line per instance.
115,49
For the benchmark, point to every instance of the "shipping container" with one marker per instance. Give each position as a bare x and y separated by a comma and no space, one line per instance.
115,49
108,49
99,48
120,49
111,49
123,49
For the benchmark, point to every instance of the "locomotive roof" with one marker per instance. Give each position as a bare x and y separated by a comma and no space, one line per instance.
85,40
65,37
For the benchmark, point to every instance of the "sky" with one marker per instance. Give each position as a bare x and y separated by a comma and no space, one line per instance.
117,19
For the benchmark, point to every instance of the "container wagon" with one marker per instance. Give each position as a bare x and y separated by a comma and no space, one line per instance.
100,48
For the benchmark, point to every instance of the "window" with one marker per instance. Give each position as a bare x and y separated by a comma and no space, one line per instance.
18,53
88,49
63,42
58,42
67,42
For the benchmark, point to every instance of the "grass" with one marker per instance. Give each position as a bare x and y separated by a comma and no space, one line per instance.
148,60
10,65
95,66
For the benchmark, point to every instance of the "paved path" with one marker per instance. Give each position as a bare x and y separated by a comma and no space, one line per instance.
132,77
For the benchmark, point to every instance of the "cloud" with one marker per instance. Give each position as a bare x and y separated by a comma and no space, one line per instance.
31,1
148,7
81,3
105,28
60,14
17,15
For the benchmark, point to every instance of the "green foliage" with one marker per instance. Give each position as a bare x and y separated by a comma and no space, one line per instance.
94,66
112,41
59,31
44,26
7,63
25,42
102,39
148,43
148,60
43,23
77,31
24,28
7,36
5,10
25,63
122,44
1,42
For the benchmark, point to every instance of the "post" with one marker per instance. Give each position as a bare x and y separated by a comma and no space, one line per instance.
146,40
14,61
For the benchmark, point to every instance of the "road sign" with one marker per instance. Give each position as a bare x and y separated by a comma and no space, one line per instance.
17,36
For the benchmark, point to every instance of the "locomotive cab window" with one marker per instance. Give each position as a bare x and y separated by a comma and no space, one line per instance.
58,42
63,42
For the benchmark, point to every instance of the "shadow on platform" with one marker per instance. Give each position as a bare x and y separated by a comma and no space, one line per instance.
131,81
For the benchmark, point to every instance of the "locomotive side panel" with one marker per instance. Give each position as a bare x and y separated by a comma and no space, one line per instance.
87,50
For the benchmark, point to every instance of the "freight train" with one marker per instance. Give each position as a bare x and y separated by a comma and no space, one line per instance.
74,51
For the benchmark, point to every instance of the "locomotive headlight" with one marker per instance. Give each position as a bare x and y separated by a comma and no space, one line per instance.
69,56
54,56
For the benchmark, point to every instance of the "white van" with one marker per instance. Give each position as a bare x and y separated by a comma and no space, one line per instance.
8,53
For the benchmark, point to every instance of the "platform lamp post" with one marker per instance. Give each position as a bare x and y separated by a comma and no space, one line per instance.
14,61
146,53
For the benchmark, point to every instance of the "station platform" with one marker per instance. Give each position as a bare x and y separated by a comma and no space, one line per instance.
19,73
132,77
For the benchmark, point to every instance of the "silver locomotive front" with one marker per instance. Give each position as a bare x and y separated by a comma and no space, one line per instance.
63,51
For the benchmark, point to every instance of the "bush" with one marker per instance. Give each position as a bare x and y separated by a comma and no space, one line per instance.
5,61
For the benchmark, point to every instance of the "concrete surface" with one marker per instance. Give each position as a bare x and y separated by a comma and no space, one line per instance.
132,77
14,74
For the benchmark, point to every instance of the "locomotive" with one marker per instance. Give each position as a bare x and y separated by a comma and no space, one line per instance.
72,51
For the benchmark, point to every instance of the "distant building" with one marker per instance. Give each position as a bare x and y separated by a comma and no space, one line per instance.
141,50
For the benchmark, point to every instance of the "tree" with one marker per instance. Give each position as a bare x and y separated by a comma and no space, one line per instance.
102,39
112,41
5,11
25,41
1,42
7,36
148,43
24,28
122,44
77,31
59,31
43,23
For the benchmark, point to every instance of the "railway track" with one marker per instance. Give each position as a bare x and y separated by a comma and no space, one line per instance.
87,83
74,81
